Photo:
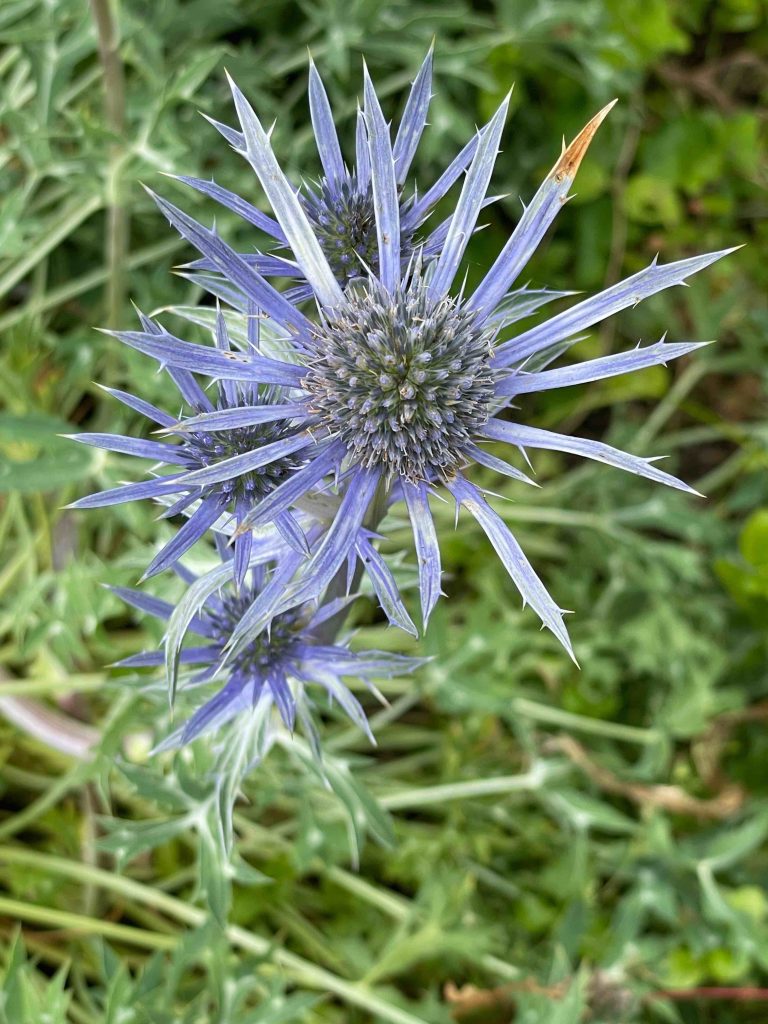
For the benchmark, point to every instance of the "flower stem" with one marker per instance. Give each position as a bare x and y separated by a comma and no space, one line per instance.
116,237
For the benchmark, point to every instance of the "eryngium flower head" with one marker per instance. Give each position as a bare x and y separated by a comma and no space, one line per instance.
283,668
402,380
341,207
497,366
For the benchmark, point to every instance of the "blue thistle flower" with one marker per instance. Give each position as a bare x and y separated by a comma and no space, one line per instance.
279,669
402,377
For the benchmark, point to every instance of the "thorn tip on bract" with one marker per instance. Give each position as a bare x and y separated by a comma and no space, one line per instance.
568,164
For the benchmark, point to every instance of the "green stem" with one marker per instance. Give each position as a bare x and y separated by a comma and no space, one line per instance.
582,723
52,918
72,780
116,240
528,782
82,683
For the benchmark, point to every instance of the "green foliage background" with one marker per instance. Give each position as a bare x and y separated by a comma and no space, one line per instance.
568,842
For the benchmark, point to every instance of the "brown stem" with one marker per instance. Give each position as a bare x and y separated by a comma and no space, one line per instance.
673,799
745,994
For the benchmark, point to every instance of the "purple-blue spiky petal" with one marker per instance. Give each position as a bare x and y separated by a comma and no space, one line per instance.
158,608
151,412
509,551
154,450
246,462
653,279
154,659
385,195
420,210
384,585
470,203
427,546
484,458
262,609
328,147
596,369
237,271
534,437
285,495
190,533
285,204
130,492
239,416
173,352
235,203
536,219
362,153
360,663
291,532
280,689
414,120
338,540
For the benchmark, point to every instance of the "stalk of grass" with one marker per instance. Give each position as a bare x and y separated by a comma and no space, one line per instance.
303,971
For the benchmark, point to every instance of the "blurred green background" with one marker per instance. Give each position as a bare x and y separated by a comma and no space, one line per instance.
529,842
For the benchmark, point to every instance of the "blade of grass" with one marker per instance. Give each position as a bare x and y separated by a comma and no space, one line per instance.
302,970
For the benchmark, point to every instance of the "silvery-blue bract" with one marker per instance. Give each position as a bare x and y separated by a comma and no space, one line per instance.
394,375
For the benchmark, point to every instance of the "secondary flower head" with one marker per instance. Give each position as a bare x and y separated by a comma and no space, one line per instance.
288,668
340,208
246,425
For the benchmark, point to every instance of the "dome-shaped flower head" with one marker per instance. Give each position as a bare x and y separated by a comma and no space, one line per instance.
403,374
246,423
291,668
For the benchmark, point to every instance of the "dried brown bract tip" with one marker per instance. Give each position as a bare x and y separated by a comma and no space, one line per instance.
571,157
